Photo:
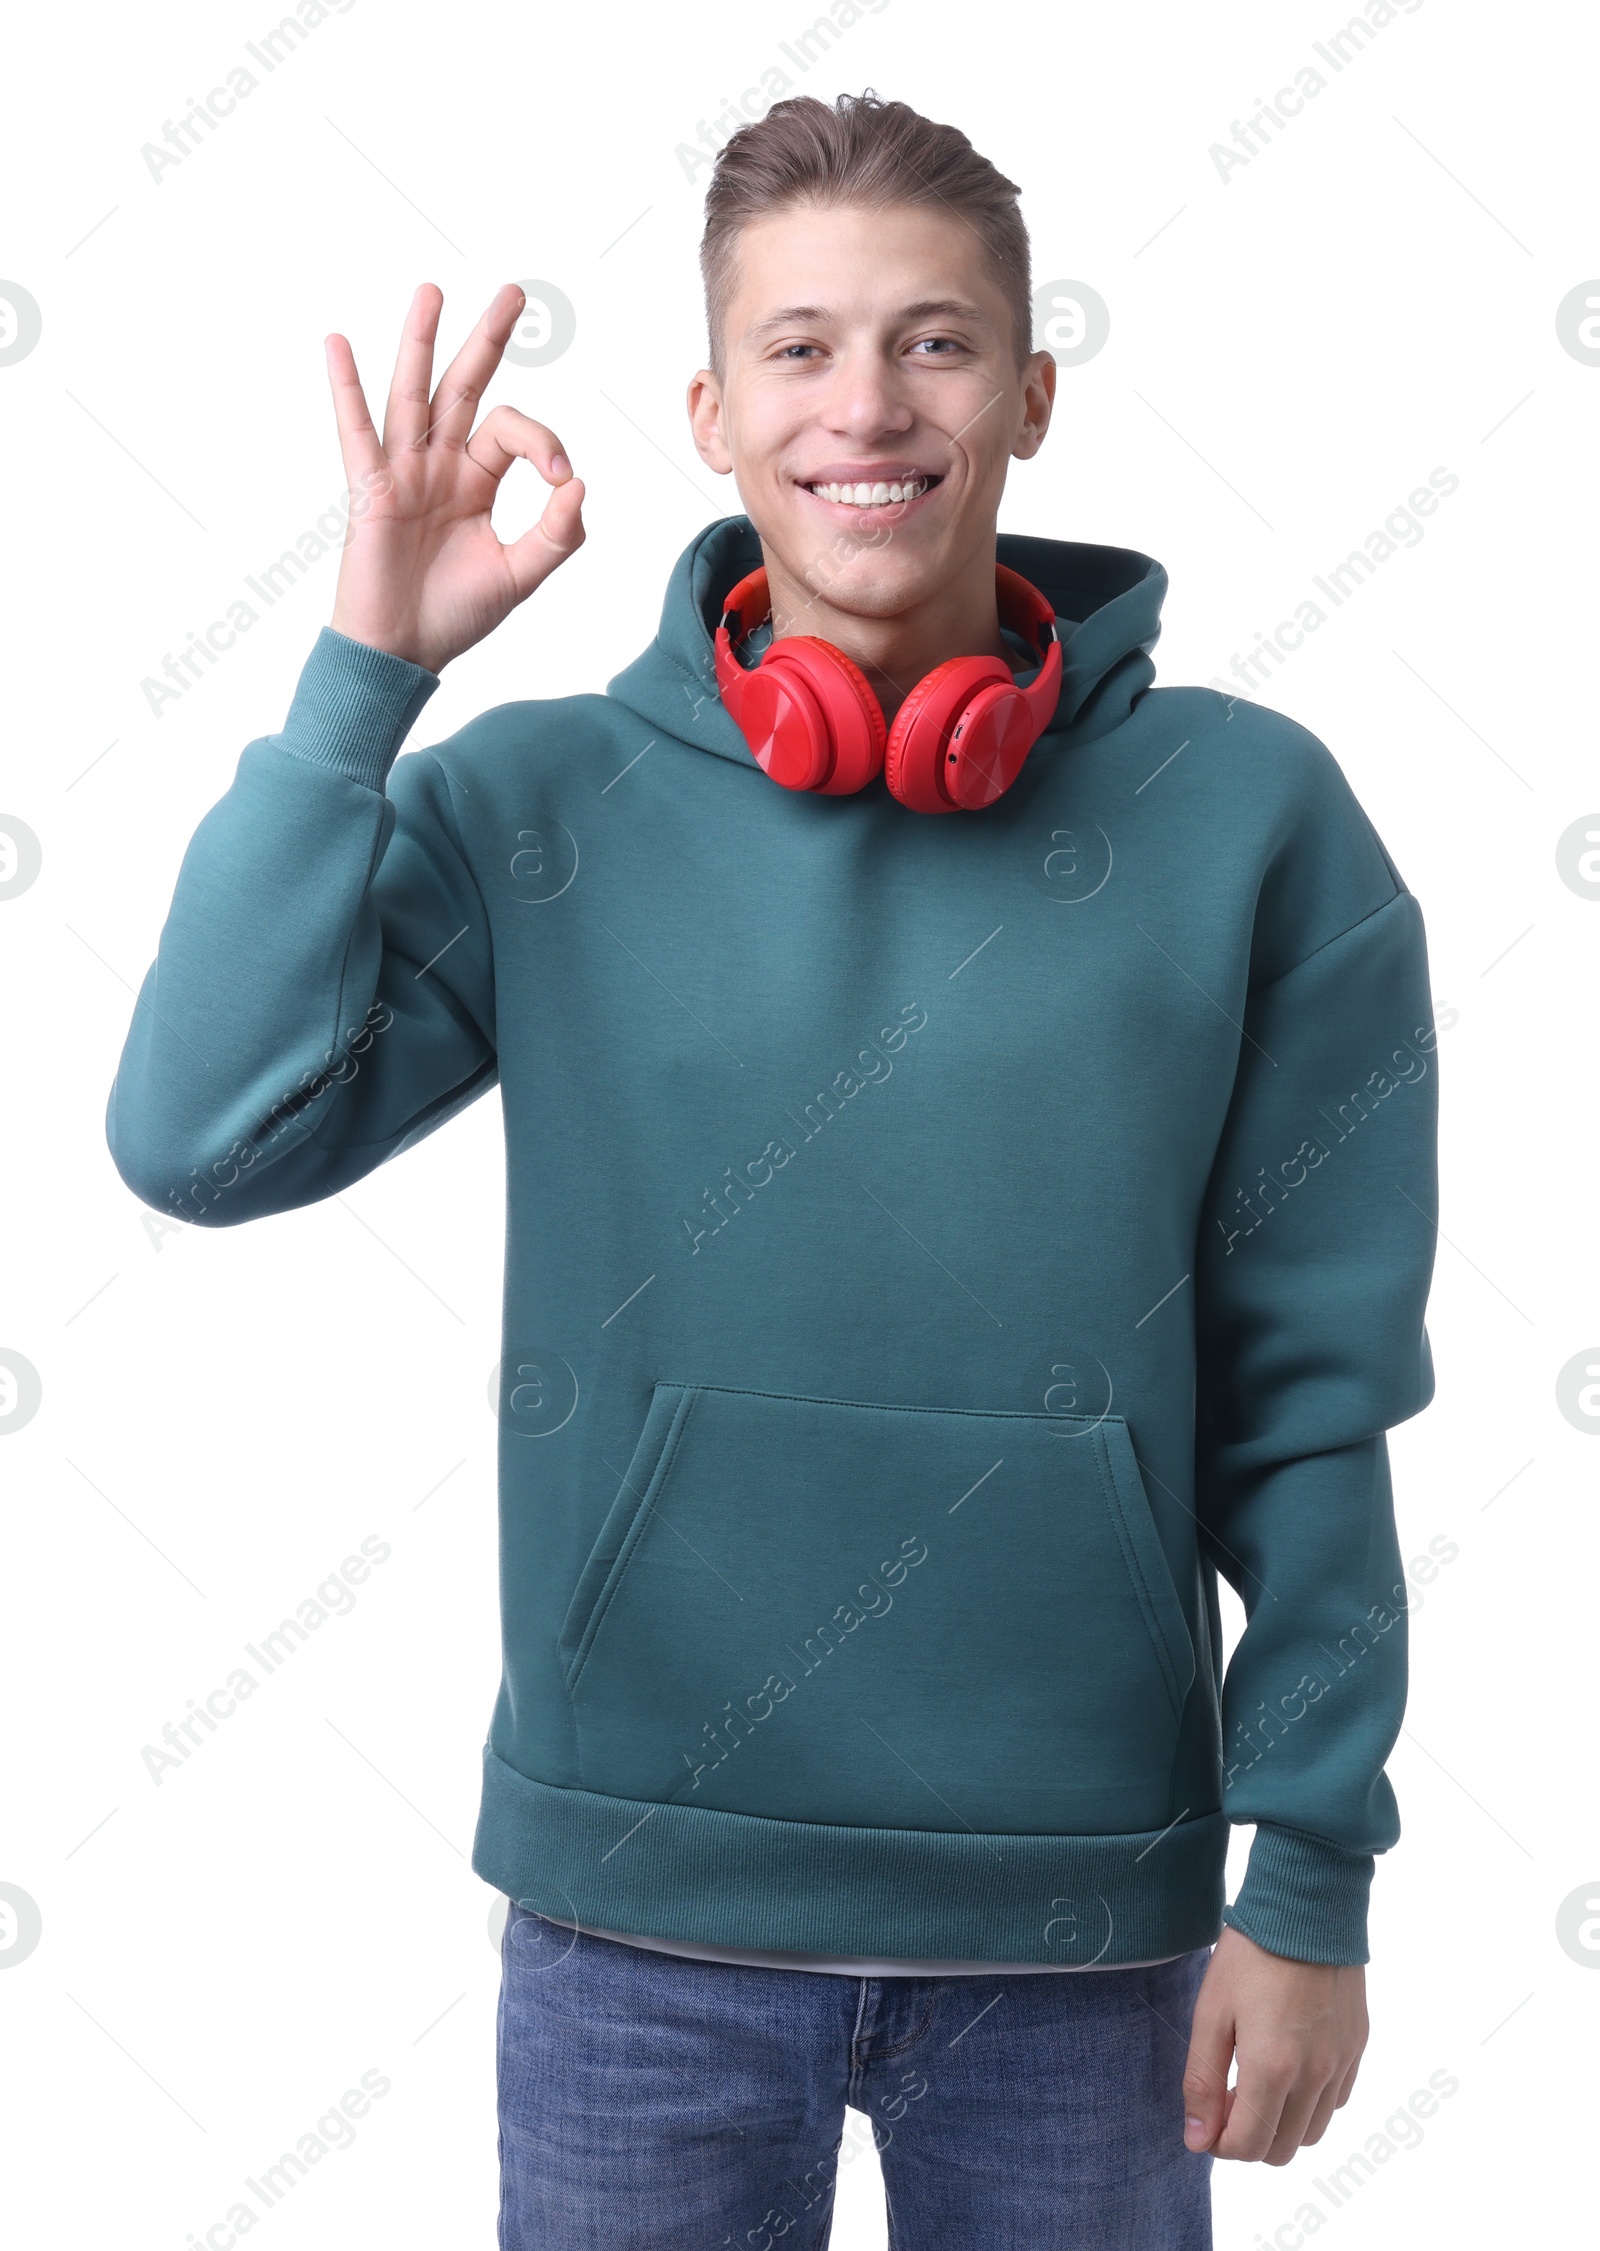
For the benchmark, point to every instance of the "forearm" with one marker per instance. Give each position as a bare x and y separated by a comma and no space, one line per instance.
1313,1698
256,1055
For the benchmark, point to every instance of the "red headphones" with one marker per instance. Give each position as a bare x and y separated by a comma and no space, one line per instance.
957,743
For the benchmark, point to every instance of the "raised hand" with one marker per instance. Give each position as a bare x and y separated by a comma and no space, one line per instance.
424,575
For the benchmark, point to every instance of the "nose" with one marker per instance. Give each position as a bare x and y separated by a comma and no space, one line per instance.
866,399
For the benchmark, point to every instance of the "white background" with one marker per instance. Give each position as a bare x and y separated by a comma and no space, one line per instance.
226,1415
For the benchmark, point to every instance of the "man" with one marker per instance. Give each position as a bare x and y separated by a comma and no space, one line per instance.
969,1128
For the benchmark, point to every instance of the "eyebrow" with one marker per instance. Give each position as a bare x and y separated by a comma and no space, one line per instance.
927,308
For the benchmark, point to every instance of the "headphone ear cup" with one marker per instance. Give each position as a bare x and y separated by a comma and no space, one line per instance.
851,712
913,762
993,734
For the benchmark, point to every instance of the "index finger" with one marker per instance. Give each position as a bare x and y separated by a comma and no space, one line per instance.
462,384
1259,2097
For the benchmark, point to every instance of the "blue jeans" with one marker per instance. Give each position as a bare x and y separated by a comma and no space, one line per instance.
649,2103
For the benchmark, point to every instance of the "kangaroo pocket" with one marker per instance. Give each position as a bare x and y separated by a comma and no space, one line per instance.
894,1617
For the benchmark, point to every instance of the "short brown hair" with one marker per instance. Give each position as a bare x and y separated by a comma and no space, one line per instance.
861,151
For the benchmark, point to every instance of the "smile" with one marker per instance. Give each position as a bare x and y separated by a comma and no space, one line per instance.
880,492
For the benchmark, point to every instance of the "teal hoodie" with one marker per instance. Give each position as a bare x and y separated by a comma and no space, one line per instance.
937,1248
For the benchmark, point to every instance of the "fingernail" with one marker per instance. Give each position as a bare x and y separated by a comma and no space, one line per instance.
560,465
1194,2129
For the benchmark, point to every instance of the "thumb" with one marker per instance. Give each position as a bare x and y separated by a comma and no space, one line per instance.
558,534
1205,2076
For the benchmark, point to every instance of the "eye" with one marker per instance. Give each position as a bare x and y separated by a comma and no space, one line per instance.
788,351
939,345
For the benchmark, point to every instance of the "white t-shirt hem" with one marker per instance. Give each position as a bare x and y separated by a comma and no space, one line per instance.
829,1965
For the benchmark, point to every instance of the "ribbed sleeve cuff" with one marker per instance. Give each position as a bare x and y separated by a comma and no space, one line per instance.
1303,1899
353,707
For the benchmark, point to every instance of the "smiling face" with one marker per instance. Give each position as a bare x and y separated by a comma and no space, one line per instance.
870,403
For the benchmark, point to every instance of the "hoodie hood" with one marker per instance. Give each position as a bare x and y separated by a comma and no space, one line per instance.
1107,602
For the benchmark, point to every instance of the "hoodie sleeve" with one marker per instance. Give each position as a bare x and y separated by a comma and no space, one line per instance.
1312,1276
323,991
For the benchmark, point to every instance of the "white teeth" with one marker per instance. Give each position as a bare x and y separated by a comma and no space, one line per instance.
871,495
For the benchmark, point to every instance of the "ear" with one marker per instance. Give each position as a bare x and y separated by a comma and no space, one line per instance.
705,422
1038,397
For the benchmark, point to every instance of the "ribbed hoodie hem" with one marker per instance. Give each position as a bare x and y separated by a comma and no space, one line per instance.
353,707
1304,1899
734,1879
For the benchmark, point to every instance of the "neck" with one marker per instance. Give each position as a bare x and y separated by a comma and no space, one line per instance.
960,618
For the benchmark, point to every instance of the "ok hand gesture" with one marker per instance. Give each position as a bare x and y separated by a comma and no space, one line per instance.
424,575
